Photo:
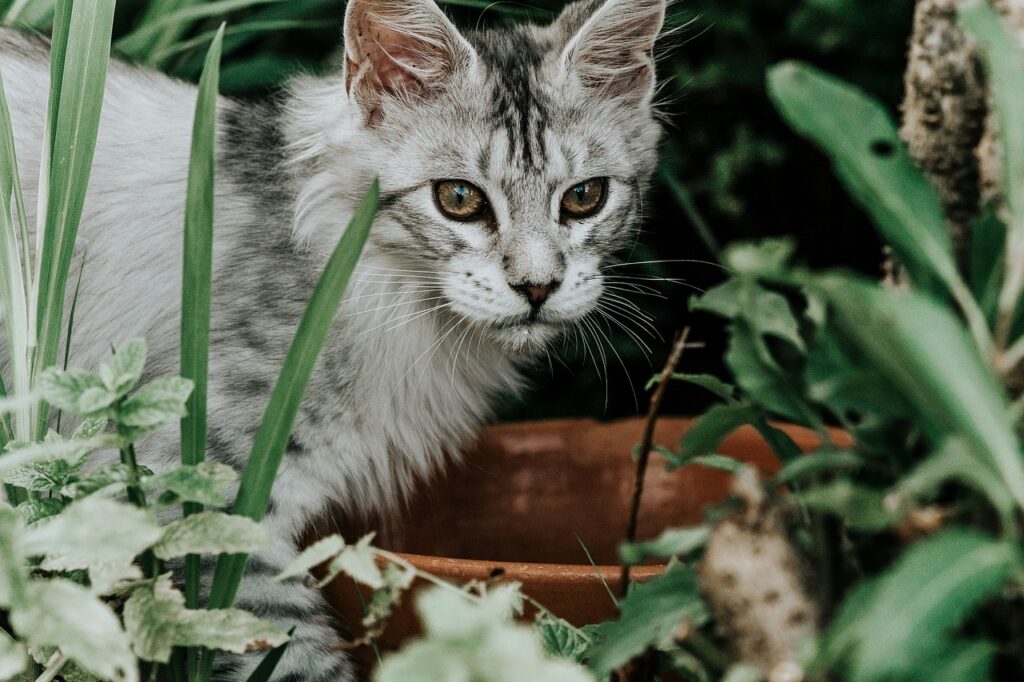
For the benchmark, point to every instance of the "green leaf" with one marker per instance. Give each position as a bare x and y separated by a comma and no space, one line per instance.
48,476
156,620
767,312
859,137
75,391
721,420
359,562
112,475
93,529
34,510
203,483
925,352
706,381
60,613
312,556
675,542
650,613
125,369
892,626
819,462
155,404
860,508
90,428
211,533
79,57
763,381
19,457
276,426
265,670
562,640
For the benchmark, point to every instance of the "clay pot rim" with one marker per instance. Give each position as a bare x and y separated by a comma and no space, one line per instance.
437,564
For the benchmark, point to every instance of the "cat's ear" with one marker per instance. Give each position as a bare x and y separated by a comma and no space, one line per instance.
401,49
610,45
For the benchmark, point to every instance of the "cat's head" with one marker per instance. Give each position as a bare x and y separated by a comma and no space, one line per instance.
513,161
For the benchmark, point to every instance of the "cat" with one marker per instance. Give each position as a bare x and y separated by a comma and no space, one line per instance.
512,162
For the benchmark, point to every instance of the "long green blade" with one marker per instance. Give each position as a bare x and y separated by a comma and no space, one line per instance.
275,429
197,277
82,65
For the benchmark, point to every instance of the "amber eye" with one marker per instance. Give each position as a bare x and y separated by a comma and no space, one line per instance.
459,200
584,199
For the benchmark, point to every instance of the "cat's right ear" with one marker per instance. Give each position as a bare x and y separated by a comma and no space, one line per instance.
399,50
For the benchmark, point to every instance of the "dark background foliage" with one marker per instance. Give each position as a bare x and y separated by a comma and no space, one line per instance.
729,163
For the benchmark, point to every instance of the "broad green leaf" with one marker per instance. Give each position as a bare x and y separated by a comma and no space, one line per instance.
203,483
767,312
819,462
312,556
650,613
960,662
761,377
75,391
211,533
156,620
90,427
125,369
155,404
864,146
707,434
892,626
954,460
279,417
93,529
13,657
20,457
860,508
117,475
927,355
674,542
60,613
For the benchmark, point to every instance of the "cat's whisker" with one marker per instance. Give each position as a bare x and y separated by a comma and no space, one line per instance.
414,316
611,346
609,315
378,309
695,261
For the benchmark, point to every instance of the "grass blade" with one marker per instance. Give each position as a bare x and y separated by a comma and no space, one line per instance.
81,53
266,668
197,276
275,429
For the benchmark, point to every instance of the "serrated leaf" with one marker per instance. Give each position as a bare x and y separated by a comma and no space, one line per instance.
90,427
93,529
106,578
115,474
125,369
211,532
155,404
203,483
49,476
75,391
675,542
34,510
891,626
562,640
359,562
60,613
650,613
23,455
314,555
157,621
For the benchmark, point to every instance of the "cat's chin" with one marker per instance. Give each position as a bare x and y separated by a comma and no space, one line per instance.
527,338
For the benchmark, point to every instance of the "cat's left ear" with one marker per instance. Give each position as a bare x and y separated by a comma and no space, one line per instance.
399,49
610,45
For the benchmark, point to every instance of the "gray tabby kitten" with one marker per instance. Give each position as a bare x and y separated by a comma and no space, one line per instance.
513,164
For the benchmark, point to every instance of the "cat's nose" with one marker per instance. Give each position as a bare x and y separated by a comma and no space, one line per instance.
535,293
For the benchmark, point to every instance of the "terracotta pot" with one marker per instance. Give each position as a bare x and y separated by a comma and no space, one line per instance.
530,497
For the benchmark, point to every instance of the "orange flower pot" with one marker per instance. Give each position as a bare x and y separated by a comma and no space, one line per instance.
532,499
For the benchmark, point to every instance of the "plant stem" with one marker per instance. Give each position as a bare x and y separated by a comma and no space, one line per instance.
648,444
53,666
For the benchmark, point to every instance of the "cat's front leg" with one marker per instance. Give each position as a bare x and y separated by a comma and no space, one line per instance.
313,655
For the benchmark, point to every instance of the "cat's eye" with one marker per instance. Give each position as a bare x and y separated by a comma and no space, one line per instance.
460,200
585,199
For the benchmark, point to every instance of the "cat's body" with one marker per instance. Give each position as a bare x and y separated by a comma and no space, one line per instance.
439,313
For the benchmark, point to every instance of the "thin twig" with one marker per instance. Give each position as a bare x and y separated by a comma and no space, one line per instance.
648,444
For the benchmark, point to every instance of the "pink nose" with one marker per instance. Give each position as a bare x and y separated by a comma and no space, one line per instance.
536,294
